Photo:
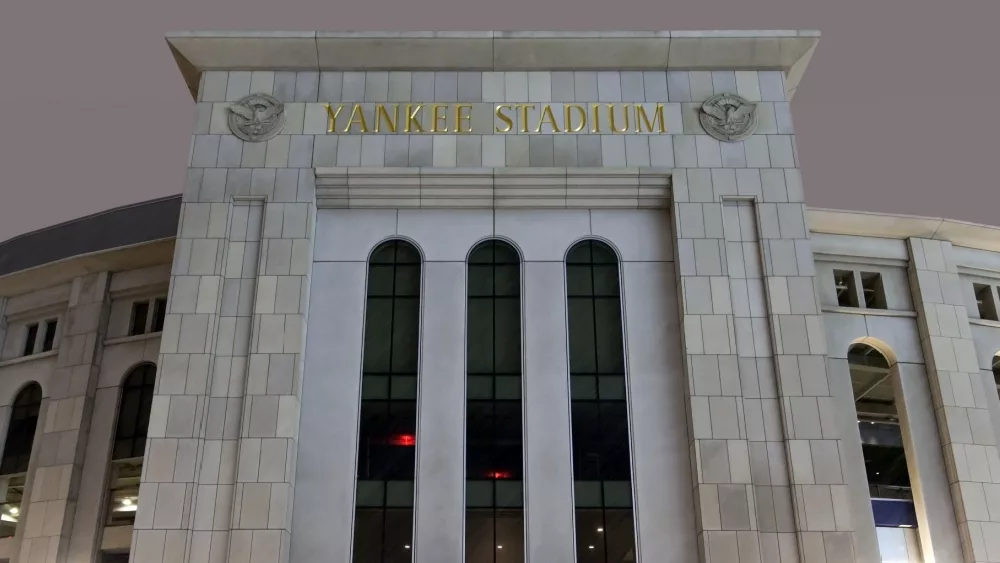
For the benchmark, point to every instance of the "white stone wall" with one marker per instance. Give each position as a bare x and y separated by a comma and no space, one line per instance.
324,502
62,515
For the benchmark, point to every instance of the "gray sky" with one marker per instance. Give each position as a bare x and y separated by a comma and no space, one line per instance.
896,112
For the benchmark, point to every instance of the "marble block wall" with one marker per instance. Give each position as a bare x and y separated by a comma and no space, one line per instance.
219,476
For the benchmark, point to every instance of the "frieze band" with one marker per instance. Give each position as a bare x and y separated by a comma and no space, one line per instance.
726,117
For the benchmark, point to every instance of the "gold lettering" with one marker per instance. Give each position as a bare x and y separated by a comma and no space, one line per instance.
411,118
357,116
503,117
611,112
380,113
436,117
524,115
459,118
568,124
547,117
331,117
640,112
596,127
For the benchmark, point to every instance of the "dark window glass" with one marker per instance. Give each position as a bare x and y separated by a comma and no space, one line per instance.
383,523
133,412
50,335
494,521
29,339
159,312
21,431
879,424
130,445
601,458
140,313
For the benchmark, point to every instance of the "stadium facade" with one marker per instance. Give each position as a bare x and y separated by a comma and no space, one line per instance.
498,297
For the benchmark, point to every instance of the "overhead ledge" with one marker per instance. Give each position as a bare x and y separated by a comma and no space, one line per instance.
890,226
789,51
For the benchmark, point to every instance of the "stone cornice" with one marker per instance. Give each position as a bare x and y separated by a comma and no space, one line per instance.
891,226
789,51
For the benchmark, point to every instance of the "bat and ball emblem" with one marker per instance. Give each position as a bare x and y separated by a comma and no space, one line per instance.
728,117
256,118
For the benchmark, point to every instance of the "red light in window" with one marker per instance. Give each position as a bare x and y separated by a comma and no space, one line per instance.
499,475
403,440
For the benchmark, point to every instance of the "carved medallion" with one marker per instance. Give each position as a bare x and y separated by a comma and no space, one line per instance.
728,117
256,118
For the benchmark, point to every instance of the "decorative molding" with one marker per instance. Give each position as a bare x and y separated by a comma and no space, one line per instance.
728,117
545,188
859,260
256,118
870,312
33,357
132,338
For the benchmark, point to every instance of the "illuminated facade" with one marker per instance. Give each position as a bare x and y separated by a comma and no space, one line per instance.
498,298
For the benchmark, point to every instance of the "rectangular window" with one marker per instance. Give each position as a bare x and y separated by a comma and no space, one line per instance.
159,312
847,293
985,302
871,286
29,340
140,314
50,335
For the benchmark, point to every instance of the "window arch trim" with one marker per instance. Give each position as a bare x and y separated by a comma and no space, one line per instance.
496,238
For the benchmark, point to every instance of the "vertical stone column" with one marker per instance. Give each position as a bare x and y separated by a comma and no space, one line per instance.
219,469
61,436
968,441
548,449
262,504
439,510
765,454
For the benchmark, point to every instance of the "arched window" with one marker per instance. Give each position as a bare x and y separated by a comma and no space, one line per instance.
17,455
882,446
601,454
130,444
383,522
494,494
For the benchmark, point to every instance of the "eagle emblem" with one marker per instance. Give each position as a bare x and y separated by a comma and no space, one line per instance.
256,118
728,117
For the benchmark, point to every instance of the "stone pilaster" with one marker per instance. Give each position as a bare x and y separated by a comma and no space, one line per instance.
968,441
764,442
218,479
61,435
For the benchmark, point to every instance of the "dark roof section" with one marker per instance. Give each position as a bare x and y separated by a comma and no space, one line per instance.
123,226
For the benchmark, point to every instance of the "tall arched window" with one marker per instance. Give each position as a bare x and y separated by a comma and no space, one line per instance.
383,521
599,407
494,494
17,455
882,446
130,444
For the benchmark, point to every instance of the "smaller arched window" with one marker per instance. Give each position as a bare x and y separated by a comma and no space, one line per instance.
130,444
17,455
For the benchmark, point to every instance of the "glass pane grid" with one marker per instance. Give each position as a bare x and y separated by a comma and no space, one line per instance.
600,438
383,524
494,430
